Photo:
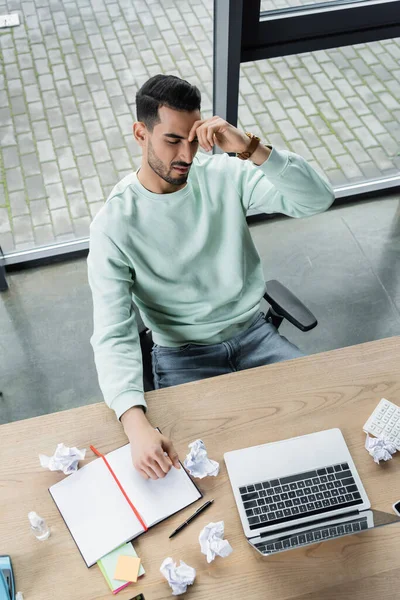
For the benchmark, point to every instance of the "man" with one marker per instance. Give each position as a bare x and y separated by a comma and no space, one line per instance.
173,237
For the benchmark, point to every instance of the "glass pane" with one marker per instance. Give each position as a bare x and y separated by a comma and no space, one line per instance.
68,78
338,108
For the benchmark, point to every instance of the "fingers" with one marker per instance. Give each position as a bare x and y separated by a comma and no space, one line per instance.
192,133
206,130
172,453
155,466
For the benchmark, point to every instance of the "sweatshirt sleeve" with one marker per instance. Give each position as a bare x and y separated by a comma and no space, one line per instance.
285,183
115,338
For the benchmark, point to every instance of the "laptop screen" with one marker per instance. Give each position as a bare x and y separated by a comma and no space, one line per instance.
322,530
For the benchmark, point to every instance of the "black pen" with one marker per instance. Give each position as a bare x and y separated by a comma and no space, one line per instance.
198,511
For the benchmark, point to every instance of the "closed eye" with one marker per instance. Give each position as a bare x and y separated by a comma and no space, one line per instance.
195,141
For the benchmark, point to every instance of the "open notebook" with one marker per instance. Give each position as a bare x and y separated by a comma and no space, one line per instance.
99,516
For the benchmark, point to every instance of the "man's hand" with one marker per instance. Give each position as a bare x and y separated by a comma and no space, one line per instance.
217,131
153,454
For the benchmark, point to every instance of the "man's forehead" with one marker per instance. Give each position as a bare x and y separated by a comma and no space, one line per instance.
180,122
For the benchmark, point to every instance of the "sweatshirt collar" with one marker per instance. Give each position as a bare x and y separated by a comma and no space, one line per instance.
161,197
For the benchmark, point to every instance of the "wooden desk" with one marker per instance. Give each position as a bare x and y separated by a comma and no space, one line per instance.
333,389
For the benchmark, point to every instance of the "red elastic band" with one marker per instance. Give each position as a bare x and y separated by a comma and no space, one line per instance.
120,487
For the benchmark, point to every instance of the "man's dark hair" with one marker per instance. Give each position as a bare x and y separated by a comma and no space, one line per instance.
165,90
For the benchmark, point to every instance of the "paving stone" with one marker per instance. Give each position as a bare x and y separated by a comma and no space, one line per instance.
87,112
61,221
39,212
94,131
121,158
30,164
28,77
25,143
299,147
324,82
351,118
81,226
46,150
309,134
389,144
11,157
113,137
382,161
93,189
34,187
65,158
86,166
80,144
46,82
7,135
23,231
95,207
370,170
366,138
373,124
36,111
288,129
5,225
348,166
389,101
41,130
14,87
108,177
345,89
327,110
358,105
14,179
44,235
77,206
357,151
264,91
71,180
55,196
51,173
74,124
68,106
366,94
315,93
18,105
94,82
50,100
107,117
55,57
119,105
297,117
18,204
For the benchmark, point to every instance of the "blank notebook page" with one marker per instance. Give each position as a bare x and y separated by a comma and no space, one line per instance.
98,515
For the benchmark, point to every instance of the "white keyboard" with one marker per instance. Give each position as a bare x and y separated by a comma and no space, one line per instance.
385,422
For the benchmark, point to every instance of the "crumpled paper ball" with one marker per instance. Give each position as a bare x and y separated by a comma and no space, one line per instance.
380,448
64,459
212,542
197,462
178,577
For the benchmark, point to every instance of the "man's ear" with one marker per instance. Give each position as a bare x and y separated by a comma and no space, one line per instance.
140,133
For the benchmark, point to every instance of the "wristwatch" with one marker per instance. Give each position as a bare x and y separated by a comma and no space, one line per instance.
252,147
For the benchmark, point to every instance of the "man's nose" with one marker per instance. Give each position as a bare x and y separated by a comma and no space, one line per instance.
186,154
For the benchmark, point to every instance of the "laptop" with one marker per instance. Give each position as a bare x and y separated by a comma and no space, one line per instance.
300,491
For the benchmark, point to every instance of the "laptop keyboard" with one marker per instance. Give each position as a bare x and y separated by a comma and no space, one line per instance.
312,536
302,495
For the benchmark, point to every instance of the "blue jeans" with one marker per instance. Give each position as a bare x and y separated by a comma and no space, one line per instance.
260,344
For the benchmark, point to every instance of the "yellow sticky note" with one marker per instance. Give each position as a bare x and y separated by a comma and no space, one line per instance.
127,568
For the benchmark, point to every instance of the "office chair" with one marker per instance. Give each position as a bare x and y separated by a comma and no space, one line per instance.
282,305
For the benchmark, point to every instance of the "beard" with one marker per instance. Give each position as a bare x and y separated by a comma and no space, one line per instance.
160,169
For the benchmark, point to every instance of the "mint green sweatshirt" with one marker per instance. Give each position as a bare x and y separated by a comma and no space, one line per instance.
186,259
